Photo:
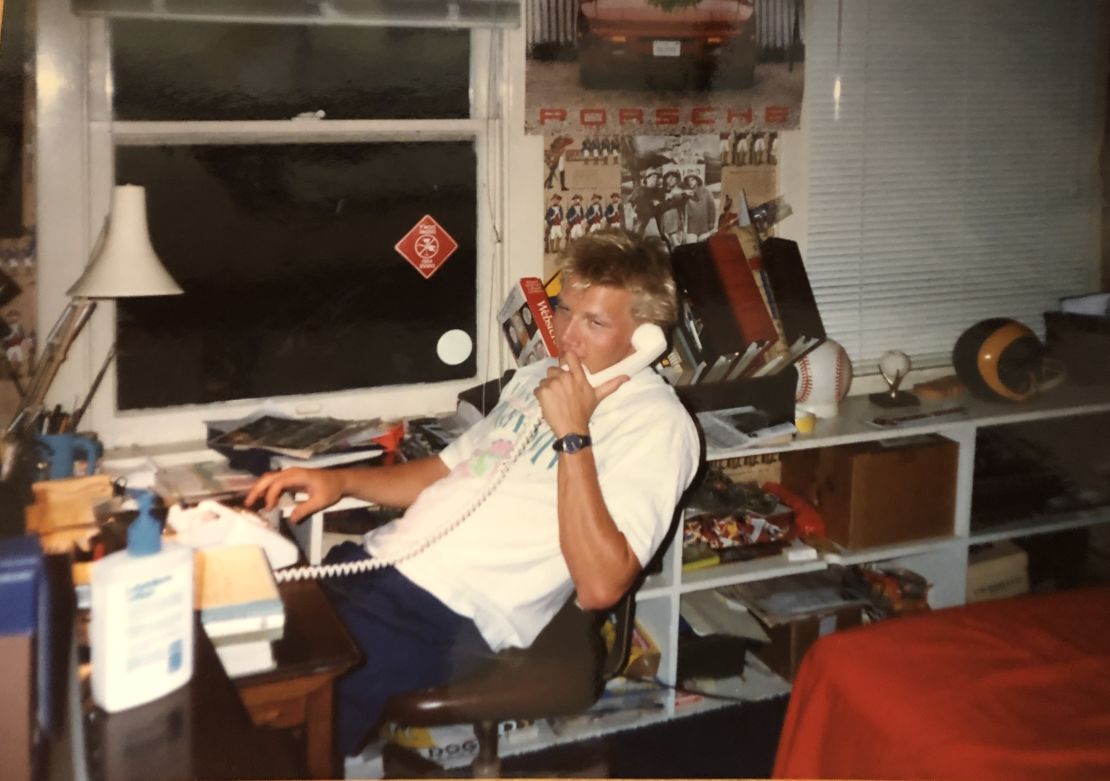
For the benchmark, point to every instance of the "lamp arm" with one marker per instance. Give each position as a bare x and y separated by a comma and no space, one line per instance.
54,351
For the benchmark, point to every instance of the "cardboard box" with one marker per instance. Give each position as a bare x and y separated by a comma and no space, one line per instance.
790,641
997,571
879,493
528,322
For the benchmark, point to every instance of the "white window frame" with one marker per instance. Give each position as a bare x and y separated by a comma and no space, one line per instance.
75,179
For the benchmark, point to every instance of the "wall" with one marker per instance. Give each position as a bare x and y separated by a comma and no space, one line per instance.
61,251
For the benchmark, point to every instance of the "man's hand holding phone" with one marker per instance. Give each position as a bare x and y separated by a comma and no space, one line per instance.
567,397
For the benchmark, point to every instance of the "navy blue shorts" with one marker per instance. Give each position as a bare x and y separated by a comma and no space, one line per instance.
409,640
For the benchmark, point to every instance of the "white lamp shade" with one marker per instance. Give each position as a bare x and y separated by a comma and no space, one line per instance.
124,264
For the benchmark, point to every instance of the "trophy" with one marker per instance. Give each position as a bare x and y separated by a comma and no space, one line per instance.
894,365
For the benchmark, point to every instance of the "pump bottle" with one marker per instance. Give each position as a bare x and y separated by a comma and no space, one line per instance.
142,617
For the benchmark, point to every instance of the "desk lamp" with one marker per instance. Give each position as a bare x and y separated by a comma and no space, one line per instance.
123,265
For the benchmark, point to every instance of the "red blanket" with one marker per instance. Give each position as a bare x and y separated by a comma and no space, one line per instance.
1013,689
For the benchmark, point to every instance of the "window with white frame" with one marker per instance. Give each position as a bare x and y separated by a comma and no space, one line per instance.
276,197
952,169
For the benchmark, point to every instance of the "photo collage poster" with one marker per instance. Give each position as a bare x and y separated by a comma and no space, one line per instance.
657,134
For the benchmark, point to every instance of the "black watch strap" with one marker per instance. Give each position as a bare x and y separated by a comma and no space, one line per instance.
571,443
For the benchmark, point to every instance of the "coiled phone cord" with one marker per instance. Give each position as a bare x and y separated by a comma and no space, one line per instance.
320,571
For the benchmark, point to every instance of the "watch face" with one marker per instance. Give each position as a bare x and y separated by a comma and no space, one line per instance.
572,443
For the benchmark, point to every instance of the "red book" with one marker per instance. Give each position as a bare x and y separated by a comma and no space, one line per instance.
528,321
739,285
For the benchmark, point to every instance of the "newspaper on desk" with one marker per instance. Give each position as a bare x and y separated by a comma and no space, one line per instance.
276,432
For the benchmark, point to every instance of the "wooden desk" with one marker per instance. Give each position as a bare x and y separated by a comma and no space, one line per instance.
314,650
199,731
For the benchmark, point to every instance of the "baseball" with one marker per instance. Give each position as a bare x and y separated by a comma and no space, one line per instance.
824,377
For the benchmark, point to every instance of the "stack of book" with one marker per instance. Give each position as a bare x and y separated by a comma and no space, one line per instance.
240,607
746,308
317,442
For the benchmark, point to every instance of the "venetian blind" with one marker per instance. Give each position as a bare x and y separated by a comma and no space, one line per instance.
958,178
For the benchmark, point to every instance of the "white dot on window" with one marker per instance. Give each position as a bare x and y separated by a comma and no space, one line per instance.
454,347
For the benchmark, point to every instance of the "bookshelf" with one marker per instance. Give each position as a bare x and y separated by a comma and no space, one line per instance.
942,559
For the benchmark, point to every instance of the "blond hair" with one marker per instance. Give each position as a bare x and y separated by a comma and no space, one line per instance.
618,258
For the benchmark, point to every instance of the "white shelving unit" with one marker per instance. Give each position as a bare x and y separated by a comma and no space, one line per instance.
943,560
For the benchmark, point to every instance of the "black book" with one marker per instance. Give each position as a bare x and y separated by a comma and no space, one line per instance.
719,336
801,319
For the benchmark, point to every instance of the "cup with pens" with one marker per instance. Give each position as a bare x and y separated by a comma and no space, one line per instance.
60,454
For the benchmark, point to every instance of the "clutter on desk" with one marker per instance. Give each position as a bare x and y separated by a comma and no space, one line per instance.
64,512
189,483
427,436
211,524
181,477
298,437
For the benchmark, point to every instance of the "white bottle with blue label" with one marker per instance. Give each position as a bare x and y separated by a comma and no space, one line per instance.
142,617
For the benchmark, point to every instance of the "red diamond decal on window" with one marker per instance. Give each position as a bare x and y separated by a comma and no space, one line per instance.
426,246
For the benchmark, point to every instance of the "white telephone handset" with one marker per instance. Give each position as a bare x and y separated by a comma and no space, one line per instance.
648,341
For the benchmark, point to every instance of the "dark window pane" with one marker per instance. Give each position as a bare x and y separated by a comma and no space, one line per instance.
166,70
286,254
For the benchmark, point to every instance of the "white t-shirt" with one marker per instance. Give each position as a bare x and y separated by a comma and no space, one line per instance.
502,566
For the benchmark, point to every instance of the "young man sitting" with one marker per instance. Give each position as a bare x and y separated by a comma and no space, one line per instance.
580,509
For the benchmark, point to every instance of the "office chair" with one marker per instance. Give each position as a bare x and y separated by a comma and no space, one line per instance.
561,674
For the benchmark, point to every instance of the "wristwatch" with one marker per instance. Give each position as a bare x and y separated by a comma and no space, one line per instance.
571,443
